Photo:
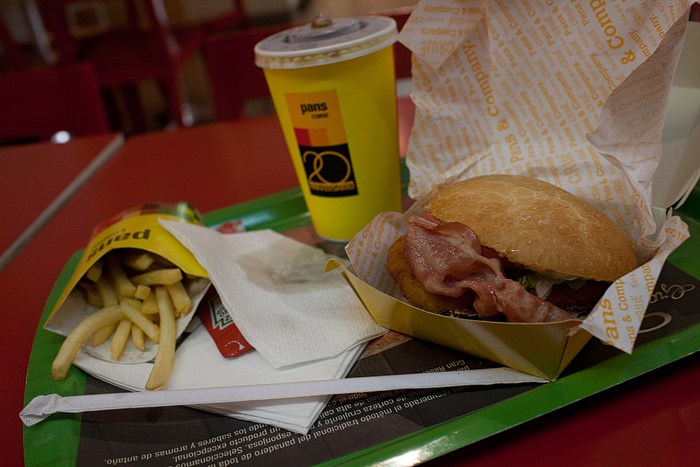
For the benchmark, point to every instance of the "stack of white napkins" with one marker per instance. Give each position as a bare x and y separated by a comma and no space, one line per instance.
279,295
198,364
305,324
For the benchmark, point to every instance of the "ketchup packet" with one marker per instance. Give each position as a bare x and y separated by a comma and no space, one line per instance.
221,328
233,226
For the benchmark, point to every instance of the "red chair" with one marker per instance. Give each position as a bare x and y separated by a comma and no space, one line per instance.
144,48
236,80
38,103
233,75
11,57
237,18
34,50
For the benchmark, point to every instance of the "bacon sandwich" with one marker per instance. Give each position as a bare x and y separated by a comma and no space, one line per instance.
505,247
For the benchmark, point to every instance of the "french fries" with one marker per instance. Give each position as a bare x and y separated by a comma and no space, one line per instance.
166,348
102,334
95,270
121,283
133,290
137,338
69,348
150,306
120,338
109,298
180,297
146,325
142,292
137,260
106,292
91,295
158,277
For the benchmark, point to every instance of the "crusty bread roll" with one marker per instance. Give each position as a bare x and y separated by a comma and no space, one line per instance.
538,225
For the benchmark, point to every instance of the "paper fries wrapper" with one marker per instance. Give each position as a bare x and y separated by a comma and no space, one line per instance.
571,93
136,228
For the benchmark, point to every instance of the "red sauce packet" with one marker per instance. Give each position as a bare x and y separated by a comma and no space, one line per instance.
221,327
233,226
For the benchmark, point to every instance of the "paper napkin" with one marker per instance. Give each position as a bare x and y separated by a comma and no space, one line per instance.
198,364
278,294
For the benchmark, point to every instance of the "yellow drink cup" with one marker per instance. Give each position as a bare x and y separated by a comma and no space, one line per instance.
334,89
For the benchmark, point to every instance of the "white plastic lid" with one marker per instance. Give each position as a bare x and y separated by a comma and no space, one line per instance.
326,41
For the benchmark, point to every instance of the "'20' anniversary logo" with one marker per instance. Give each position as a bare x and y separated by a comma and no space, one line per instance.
329,170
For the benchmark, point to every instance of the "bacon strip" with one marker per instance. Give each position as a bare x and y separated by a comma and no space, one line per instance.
447,259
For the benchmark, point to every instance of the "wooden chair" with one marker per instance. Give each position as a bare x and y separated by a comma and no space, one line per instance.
236,80
38,103
144,48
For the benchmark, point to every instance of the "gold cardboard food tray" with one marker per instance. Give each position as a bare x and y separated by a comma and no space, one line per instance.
541,349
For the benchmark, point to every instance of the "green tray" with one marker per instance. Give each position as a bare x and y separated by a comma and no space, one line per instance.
55,442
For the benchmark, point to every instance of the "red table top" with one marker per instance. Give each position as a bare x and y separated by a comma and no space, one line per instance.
657,416
32,175
211,167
